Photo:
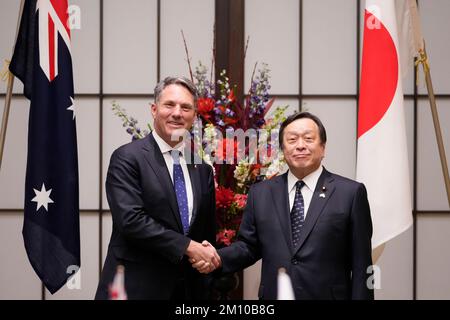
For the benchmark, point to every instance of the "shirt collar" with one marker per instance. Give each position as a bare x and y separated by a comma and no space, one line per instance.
310,180
165,147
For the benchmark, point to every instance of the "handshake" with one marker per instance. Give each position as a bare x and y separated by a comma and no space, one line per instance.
203,256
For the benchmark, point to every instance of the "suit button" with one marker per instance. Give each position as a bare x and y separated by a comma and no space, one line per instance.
294,261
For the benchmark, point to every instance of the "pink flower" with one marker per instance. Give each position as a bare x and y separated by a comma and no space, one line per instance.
240,200
225,236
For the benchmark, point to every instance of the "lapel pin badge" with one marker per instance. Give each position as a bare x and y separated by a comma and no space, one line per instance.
322,194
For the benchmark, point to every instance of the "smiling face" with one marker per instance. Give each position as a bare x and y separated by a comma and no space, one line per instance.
302,148
173,113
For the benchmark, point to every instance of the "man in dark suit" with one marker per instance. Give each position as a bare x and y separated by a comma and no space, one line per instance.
311,222
161,206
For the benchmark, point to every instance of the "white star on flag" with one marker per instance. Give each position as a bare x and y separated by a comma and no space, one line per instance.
72,108
42,197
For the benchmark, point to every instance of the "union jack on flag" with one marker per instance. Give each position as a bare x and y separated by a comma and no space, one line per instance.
42,61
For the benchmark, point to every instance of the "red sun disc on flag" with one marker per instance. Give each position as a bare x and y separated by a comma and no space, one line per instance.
379,75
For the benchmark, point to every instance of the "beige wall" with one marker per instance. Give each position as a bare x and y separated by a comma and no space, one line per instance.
329,64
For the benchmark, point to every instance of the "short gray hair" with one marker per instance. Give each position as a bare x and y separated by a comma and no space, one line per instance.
182,81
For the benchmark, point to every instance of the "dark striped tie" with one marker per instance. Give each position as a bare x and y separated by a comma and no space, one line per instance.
297,213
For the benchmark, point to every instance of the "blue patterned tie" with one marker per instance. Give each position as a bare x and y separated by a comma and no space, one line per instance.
297,213
180,190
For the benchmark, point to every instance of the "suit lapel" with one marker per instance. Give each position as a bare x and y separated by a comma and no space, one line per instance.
280,198
155,159
318,202
195,182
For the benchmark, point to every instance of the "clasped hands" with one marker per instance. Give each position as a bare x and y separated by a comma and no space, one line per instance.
203,256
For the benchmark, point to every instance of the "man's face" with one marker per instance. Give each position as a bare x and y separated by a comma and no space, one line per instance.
302,147
173,113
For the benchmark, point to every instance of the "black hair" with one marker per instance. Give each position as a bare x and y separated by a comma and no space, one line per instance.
303,115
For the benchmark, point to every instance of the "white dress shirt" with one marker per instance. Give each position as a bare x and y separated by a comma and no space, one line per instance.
166,151
308,189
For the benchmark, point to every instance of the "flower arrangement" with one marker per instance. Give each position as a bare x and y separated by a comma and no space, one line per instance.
130,123
234,138
236,142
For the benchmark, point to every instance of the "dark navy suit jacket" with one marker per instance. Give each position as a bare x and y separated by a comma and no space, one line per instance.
334,252
147,235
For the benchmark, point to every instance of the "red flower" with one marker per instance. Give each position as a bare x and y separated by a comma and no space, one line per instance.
240,200
229,106
224,197
225,236
230,121
221,151
205,106
231,96
255,170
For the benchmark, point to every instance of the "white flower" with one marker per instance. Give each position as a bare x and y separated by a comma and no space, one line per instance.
207,159
210,137
242,172
277,166
210,133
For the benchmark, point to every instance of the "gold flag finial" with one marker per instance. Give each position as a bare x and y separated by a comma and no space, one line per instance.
5,73
423,60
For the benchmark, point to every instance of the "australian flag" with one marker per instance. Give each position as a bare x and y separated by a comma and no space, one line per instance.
42,61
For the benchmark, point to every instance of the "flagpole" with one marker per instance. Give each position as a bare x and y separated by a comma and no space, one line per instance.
419,44
6,114
8,94
437,127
